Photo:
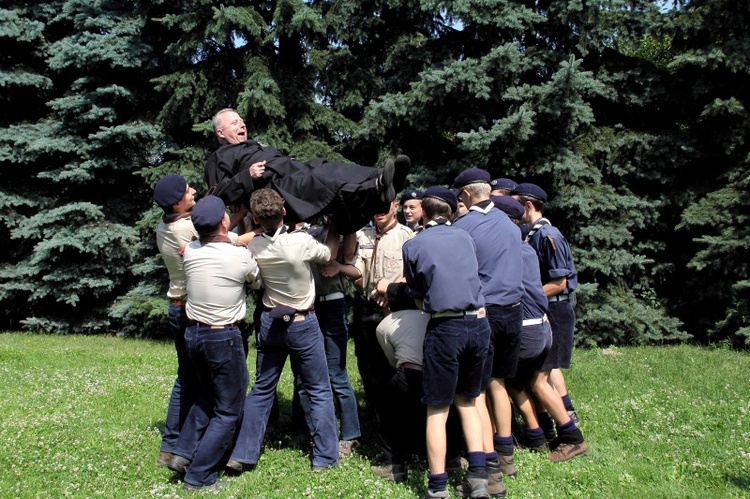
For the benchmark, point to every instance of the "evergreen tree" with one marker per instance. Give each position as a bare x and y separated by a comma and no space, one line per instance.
525,90
712,67
75,130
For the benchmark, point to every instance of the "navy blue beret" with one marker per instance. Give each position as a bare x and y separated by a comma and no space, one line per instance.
531,190
412,194
503,183
509,205
443,194
208,213
472,176
170,190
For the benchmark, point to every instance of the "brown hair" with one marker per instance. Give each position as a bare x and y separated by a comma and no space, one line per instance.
267,207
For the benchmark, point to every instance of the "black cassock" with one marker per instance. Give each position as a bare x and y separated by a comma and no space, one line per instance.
318,187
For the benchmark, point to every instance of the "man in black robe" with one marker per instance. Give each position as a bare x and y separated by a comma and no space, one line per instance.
351,193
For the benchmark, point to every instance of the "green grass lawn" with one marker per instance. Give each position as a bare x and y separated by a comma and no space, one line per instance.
81,417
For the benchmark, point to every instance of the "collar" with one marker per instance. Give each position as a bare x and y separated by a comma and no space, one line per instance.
388,227
169,218
437,221
215,239
482,206
273,235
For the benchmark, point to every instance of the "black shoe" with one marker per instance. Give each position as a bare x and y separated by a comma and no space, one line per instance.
214,487
237,468
178,464
163,459
402,167
385,182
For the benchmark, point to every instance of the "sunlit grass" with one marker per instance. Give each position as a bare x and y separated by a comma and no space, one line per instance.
81,417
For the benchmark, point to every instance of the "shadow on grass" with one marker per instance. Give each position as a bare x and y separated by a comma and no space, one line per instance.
741,482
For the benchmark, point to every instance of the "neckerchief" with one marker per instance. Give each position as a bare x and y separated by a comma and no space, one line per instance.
436,222
538,225
482,206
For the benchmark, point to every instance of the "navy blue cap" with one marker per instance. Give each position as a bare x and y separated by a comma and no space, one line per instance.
509,205
170,190
447,195
472,176
412,194
504,184
531,190
208,213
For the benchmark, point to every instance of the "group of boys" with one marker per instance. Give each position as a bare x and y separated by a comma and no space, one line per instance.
461,317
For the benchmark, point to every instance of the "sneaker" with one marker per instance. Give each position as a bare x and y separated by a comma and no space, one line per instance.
436,494
566,452
392,472
163,459
495,484
507,465
473,487
214,487
574,416
385,182
237,468
495,488
346,447
178,464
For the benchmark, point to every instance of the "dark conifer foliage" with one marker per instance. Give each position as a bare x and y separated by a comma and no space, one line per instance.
75,127
631,114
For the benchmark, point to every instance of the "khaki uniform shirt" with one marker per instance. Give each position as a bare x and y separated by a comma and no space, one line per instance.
171,239
216,276
284,260
388,262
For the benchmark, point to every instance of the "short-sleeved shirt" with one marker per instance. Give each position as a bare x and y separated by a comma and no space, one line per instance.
284,259
326,285
171,238
498,244
534,301
388,262
555,256
216,275
441,269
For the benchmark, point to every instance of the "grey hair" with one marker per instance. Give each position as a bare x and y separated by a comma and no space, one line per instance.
215,121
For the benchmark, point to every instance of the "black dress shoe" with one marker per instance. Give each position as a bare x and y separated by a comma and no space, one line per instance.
385,182
178,464
402,167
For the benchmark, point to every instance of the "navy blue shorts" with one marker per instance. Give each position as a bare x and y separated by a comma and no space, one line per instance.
562,318
505,334
535,343
455,349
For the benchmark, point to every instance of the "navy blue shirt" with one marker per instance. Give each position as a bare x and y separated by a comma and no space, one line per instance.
555,257
534,301
441,269
498,243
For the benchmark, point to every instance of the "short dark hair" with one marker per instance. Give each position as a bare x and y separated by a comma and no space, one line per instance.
267,206
536,202
433,208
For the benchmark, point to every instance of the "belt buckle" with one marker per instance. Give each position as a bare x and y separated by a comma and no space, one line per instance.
481,313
